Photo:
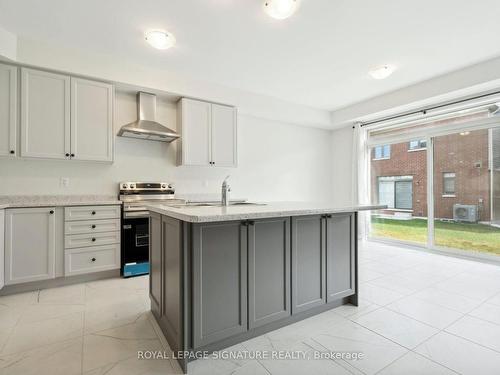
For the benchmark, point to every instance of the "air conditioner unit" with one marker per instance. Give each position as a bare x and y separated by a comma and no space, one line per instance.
465,212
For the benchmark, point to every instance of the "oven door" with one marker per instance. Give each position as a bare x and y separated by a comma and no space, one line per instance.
135,245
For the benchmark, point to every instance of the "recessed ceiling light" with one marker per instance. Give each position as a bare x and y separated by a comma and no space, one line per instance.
280,9
160,39
382,72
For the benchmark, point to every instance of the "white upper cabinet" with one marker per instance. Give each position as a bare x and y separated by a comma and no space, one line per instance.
196,132
208,134
8,110
30,257
45,114
91,120
65,118
224,136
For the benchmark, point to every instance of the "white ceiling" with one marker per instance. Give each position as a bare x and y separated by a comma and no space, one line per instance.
320,57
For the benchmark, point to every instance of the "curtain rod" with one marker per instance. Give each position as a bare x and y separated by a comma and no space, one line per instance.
425,110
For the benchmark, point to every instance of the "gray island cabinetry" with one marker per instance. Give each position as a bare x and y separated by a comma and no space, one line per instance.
220,276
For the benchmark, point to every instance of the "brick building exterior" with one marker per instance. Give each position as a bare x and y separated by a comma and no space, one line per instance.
459,159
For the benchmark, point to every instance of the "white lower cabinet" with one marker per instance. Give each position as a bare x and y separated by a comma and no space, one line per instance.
44,243
92,239
91,259
30,244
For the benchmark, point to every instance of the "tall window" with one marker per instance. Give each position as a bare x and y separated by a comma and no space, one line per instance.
448,183
417,144
382,152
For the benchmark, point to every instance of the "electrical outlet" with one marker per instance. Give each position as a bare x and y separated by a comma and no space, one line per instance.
64,181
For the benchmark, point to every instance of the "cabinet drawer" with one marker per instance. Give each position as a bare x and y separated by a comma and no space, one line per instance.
91,239
91,226
91,259
91,212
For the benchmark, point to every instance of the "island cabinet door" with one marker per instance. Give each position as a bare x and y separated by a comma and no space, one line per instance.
340,256
171,316
268,271
219,276
308,262
155,263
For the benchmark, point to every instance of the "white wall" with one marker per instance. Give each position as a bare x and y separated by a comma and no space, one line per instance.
277,162
8,45
342,165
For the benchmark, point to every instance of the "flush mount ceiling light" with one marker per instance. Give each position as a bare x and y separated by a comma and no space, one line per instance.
382,72
280,9
159,39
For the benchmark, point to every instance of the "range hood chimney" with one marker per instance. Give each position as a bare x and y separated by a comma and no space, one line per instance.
146,126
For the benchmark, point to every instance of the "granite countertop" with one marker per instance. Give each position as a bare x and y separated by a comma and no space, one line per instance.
17,201
205,214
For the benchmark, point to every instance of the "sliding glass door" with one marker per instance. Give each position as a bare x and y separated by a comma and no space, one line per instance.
398,179
442,189
466,188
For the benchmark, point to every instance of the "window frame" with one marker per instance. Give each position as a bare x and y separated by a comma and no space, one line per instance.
419,146
394,180
449,176
383,154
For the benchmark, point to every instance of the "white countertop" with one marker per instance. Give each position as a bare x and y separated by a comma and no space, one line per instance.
205,214
17,201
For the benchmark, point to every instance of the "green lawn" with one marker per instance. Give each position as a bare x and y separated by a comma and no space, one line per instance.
479,237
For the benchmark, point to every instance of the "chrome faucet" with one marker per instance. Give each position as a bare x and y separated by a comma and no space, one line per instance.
225,192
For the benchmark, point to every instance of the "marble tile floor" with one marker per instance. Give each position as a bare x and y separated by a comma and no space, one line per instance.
420,313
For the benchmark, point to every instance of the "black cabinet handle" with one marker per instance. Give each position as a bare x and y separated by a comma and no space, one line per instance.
51,212
67,155
93,259
93,212
93,239
72,155
251,222
12,152
93,226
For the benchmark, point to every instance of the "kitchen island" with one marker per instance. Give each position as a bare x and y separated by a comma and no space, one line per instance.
221,275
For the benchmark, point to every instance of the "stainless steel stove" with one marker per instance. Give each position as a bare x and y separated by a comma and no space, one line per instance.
135,222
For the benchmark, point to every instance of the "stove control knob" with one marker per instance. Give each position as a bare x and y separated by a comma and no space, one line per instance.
132,186
124,186
163,186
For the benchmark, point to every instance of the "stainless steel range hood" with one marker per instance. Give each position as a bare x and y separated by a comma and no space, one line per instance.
146,126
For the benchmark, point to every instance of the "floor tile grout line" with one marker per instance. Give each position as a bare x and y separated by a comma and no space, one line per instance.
420,321
388,338
351,367
471,341
40,347
397,359
434,361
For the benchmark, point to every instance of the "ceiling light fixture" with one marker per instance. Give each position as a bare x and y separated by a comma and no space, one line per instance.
382,72
280,9
159,39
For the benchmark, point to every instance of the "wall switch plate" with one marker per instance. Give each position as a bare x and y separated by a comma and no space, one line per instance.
64,181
